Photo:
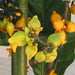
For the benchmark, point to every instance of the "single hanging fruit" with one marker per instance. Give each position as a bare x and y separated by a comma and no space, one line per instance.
10,28
18,38
58,25
35,25
55,16
63,36
31,50
50,57
21,23
70,27
54,39
72,9
40,56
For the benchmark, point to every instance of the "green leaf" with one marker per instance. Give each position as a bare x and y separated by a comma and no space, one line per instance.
4,22
39,68
66,54
3,38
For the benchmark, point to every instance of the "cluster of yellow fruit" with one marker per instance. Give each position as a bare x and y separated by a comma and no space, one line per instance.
22,38
46,56
59,23
60,27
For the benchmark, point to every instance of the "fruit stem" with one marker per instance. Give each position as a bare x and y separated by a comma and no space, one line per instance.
66,10
56,63
39,40
19,59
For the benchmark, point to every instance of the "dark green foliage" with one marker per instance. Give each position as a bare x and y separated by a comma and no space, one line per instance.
39,68
3,38
9,10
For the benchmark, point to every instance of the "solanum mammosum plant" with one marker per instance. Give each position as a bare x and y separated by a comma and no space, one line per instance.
49,54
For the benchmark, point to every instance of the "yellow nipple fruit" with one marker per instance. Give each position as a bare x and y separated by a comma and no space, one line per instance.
63,37
52,72
55,16
58,24
72,9
10,28
54,39
31,50
40,56
21,23
50,57
35,25
70,27
17,39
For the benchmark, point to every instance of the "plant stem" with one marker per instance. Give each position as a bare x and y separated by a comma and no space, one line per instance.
49,68
66,10
19,59
42,68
